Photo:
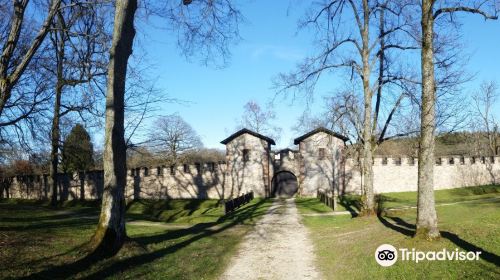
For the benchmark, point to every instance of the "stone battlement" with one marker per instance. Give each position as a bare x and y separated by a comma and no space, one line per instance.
439,161
250,165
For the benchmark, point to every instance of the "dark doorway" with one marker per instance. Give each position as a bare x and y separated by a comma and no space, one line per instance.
284,184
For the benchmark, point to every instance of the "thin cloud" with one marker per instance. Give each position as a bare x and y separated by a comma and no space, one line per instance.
277,52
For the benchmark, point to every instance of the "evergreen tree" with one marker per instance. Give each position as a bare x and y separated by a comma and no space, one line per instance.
78,151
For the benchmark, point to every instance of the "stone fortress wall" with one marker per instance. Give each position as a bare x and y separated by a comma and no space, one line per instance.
399,174
251,165
160,182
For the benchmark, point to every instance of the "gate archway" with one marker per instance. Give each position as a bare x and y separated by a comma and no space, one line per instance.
285,184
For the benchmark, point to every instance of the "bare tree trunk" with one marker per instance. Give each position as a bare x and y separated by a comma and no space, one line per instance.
2,187
426,210
367,170
55,134
368,207
110,234
81,177
54,153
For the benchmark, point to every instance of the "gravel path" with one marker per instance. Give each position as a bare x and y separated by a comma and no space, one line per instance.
278,248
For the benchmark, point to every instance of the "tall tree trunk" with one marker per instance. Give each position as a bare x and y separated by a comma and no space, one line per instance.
59,46
2,187
368,207
426,210
54,139
82,176
110,234
368,201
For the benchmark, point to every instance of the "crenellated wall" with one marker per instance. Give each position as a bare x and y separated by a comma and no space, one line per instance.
318,164
398,174
215,180
202,181
207,180
70,186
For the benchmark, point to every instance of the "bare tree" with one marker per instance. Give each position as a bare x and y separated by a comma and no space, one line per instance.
143,102
357,36
79,41
110,234
308,121
208,24
431,12
259,119
26,111
205,28
14,59
484,119
171,135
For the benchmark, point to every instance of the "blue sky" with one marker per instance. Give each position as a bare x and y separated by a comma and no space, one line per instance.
270,45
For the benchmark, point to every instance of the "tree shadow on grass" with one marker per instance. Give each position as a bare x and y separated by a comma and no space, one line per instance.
351,204
199,231
66,270
485,255
51,257
405,228
398,225
51,224
52,217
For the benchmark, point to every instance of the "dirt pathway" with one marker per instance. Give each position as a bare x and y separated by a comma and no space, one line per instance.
278,248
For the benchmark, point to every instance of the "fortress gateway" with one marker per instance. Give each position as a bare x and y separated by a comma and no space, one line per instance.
318,163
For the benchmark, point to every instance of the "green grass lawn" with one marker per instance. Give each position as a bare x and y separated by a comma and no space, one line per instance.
191,211
196,243
345,246
310,205
400,199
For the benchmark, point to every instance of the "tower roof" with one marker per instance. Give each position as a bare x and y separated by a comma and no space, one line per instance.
245,130
319,129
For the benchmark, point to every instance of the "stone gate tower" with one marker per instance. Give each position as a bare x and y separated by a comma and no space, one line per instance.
252,166
249,163
321,161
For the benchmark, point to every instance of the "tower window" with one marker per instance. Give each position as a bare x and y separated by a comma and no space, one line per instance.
321,154
246,155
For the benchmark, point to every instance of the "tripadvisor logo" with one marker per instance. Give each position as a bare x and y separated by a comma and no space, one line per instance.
387,255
